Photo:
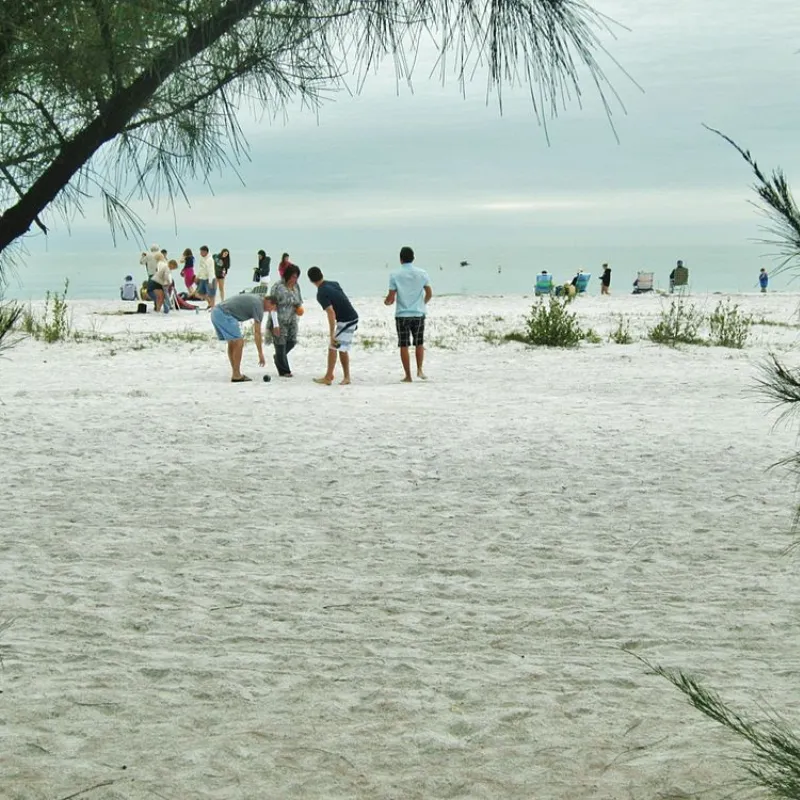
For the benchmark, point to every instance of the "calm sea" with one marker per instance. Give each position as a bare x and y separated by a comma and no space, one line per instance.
364,273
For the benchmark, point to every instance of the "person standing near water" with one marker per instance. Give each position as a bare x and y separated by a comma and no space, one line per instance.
605,280
410,287
187,271
204,272
222,263
763,280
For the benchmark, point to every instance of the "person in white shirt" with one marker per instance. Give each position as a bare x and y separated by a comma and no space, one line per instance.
158,285
150,260
204,273
128,290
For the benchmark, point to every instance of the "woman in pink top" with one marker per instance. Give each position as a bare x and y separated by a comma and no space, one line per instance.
187,259
284,263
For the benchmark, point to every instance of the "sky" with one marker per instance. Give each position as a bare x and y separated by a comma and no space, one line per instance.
454,177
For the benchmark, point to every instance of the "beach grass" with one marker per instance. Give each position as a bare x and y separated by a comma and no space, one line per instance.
774,761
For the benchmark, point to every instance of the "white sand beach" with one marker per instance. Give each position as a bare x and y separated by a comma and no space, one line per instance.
389,591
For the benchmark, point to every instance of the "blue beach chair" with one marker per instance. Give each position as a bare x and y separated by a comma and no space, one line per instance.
582,282
544,284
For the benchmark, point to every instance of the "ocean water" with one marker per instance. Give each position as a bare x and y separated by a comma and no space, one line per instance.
488,271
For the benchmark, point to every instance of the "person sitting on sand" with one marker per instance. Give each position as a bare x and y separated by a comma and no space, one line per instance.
226,317
128,290
342,325
410,286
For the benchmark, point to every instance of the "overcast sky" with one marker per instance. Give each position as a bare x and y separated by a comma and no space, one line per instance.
383,167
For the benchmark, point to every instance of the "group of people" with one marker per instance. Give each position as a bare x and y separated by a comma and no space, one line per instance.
279,307
204,276
577,285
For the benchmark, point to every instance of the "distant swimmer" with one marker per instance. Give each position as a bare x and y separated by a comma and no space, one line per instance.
463,263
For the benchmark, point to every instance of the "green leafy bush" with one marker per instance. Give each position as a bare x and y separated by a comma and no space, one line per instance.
679,323
729,325
53,325
550,324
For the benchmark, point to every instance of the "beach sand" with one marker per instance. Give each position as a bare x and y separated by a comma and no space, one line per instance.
384,591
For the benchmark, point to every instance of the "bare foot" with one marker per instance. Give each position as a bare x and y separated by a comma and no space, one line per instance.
324,381
421,375
407,379
344,382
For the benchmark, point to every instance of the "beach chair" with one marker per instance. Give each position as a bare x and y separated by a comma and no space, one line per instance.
583,282
681,279
544,284
644,283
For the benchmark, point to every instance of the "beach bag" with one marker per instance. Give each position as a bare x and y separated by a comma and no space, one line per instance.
141,308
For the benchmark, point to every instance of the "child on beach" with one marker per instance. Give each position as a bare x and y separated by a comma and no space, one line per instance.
763,280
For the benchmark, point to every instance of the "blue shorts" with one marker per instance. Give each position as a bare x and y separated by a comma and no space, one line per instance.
207,288
226,326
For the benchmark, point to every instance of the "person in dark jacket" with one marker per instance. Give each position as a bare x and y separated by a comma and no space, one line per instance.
605,280
261,272
222,263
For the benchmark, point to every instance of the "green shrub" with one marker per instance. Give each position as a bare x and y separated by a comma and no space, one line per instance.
622,333
54,323
592,336
551,324
28,322
729,325
679,323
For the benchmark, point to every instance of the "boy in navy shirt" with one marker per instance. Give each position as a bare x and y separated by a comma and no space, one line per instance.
342,324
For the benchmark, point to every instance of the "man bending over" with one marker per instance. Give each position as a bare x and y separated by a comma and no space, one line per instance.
226,317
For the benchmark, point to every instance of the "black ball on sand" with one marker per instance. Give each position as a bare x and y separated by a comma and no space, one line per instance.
267,379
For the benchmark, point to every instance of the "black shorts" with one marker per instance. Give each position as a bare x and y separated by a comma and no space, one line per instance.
409,328
153,286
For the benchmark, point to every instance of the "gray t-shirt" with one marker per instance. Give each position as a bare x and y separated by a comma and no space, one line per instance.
244,307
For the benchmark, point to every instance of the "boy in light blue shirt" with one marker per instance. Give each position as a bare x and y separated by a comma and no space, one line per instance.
410,288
